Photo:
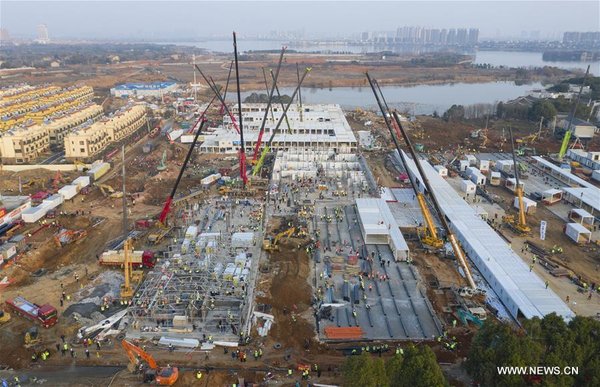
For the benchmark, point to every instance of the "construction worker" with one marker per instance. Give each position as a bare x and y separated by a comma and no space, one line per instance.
290,372
34,357
546,283
531,267
87,353
198,374
72,352
454,323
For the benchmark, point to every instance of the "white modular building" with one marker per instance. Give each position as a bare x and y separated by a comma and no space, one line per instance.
379,227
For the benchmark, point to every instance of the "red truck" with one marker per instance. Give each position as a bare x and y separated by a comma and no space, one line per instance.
46,314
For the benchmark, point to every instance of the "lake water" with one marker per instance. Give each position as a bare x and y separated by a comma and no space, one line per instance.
424,99
496,58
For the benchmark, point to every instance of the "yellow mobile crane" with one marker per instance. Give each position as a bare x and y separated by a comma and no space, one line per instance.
126,289
458,251
431,237
519,225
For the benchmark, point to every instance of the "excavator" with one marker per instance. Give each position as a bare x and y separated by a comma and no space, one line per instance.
109,191
164,376
519,225
271,244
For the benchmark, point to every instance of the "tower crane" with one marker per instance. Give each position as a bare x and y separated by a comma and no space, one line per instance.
458,251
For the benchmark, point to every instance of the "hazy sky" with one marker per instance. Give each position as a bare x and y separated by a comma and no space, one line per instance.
159,19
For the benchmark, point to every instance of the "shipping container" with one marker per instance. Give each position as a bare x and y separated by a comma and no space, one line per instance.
7,251
53,201
33,214
442,171
98,170
210,180
495,178
578,233
81,181
530,205
468,186
68,191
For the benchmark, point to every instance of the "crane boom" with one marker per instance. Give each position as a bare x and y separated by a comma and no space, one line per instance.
565,142
264,121
222,110
521,225
133,351
213,87
263,155
280,101
239,97
431,238
167,207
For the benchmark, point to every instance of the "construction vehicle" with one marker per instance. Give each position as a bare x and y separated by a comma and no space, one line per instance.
105,189
31,182
139,259
458,251
430,236
224,190
32,337
272,244
163,162
45,315
65,236
157,237
164,376
267,147
126,289
565,142
4,317
519,225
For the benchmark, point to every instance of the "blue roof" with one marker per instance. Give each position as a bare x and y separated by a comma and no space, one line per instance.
144,86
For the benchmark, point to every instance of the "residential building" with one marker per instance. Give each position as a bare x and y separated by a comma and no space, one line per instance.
85,142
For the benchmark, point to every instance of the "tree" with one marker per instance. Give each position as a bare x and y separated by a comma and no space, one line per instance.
547,342
418,367
455,113
500,110
542,108
363,371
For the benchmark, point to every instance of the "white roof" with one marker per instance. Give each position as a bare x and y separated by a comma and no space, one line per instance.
509,276
590,196
376,218
563,172
579,228
582,213
552,191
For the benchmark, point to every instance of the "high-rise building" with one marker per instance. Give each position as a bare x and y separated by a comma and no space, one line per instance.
473,36
42,34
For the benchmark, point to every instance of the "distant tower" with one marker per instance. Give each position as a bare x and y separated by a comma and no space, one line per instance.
42,34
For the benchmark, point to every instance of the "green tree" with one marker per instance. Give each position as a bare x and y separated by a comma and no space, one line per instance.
417,368
542,108
362,371
455,113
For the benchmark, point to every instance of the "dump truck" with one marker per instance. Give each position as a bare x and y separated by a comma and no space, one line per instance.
144,259
45,315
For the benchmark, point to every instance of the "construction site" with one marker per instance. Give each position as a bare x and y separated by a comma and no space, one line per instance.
228,243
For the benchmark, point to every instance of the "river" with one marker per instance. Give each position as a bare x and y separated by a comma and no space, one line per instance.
423,99
495,58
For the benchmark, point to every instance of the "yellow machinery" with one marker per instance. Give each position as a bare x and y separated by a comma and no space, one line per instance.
126,289
271,244
109,191
565,143
164,376
519,225
224,190
4,317
32,336
458,251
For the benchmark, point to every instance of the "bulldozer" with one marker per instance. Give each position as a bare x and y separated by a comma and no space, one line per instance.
32,336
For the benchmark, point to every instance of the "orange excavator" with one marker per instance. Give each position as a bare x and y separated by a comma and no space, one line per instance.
164,376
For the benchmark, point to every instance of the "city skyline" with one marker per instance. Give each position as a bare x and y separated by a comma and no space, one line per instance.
160,20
